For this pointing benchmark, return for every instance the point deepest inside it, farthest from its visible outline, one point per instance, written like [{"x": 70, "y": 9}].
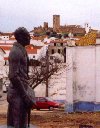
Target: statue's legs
[{"x": 17, "y": 114}]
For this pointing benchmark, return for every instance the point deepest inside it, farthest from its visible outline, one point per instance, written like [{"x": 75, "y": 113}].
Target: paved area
[
  {"x": 3, "y": 96},
  {"x": 3, "y": 103}
]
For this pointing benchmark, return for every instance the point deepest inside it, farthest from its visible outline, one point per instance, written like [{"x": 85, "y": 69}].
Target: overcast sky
[{"x": 32, "y": 13}]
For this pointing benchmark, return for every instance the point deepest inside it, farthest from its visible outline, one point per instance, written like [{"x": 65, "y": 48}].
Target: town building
[
  {"x": 5, "y": 36},
  {"x": 58, "y": 46}
]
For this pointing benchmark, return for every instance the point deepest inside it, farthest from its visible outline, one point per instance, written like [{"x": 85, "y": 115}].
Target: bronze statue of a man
[{"x": 18, "y": 76}]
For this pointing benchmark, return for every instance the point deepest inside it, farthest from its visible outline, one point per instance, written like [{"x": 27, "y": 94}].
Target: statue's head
[{"x": 22, "y": 36}]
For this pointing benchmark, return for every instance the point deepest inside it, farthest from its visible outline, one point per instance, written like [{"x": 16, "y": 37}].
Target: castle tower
[
  {"x": 56, "y": 22},
  {"x": 46, "y": 25}
]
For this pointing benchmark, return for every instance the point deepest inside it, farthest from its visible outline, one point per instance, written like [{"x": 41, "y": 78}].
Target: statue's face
[{"x": 26, "y": 40}]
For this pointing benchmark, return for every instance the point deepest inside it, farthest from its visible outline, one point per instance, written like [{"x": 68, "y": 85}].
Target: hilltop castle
[{"x": 57, "y": 27}]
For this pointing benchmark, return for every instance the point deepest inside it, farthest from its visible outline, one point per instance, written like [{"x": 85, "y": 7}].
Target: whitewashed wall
[
  {"x": 5, "y": 38},
  {"x": 97, "y": 88},
  {"x": 83, "y": 78},
  {"x": 98, "y": 41},
  {"x": 84, "y": 70},
  {"x": 69, "y": 77}
]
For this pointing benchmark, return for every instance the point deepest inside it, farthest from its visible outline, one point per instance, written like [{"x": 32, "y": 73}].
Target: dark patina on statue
[{"x": 18, "y": 76}]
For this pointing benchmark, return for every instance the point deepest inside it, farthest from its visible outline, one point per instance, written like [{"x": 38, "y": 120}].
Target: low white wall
[{"x": 83, "y": 76}]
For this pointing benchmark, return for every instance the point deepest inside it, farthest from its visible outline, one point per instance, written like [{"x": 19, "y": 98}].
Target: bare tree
[{"x": 42, "y": 70}]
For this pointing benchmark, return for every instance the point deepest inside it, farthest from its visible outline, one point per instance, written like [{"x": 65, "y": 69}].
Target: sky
[{"x": 33, "y": 13}]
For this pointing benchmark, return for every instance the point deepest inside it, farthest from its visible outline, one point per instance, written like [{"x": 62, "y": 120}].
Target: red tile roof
[
  {"x": 58, "y": 41},
  {"x": 6, "y": 34},
  {"x": 38, "y": 38},
  {"x": 6, "y": 47},
  {"x": 38, "y": 47},
  {"x": 6, "y": 44},
  {"x": 31, "y": 51},
  {"x": 12, "y": 38},
  {"x": 33, "y": 47}
]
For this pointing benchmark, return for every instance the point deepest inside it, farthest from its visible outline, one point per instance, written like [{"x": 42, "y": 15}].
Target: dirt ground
[
  {"x": 60, "y": 119},
  {"x": 56, "y": 118}
]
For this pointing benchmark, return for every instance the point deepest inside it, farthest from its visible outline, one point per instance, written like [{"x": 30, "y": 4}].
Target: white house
[
  {"x": 2, "y": 62},
  {"x": 36, "y": 52},
  {"x": 5, "y": 36}
]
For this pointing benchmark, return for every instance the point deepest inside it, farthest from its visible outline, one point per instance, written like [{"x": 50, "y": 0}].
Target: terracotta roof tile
[
  {"x": 5, "y": 44},
  {"x": 33, "y": 47},
  {"x": 38, "y": 38},
  {"x": 5, "y": 47},
  {"x": 31, "y": 51},
  {"x": 58, "y": 41}
]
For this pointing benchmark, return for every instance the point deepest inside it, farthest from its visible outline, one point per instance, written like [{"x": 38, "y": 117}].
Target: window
[
  {"x": 6, "y": 62},
  {"x": 31, "y": 62},
  {"x": 61, "y": 44},
  {"x": 33, "y": 56},
  {"x": 54, "y": 44},
  {"x": 52, "y": 52},
  {"x": 59, "y": 51},
  {"x": 51, "y": 57}
]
